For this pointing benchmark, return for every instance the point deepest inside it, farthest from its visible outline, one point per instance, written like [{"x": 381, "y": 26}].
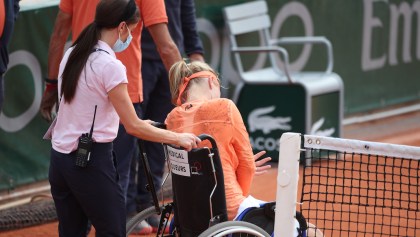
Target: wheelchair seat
[{"x": 198, "y": 188}]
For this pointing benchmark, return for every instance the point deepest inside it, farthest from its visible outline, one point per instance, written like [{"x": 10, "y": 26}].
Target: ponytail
[{"x": 77, "y": 60}]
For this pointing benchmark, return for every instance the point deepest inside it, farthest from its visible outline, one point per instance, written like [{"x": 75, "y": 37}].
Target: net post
[{"x": 287, "y": 184}]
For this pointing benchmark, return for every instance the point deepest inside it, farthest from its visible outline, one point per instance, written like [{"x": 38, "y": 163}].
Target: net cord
[{"x": 362, "y": 147}]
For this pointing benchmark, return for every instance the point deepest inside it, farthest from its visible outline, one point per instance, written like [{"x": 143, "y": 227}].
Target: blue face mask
[{"x": 120, "y": 46}]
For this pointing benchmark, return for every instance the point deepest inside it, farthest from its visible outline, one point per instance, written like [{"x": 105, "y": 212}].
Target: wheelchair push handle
[
  {"x": 209, "y": 138},
  {"x": 201, "y": 136}
]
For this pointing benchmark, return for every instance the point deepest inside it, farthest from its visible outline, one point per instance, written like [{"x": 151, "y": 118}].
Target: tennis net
[{"x": 351, "y": 187}]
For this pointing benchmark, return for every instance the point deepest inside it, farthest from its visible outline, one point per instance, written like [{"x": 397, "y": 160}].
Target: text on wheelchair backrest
[{"x": 179, "y": 161}]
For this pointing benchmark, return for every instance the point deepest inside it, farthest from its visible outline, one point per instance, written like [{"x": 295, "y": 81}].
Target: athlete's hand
[{"x": 261, "y": 168}]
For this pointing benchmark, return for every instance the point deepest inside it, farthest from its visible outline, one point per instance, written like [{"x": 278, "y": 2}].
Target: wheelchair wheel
[
  {"x": 234, "y": 228},
  {"x": 143, "y": 215}
]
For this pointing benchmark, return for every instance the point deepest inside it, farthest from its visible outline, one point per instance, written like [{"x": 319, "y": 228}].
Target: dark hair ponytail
[
  {"x": 83, "y": 47},
  {"x": 109, "y": 14}
]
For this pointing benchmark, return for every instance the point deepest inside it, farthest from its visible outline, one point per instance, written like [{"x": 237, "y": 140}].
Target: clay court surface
[{"x": 404, "y": 129}]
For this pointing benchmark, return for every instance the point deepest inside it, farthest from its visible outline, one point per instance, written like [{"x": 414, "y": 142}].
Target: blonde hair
[{"x": 180, "y": 70}]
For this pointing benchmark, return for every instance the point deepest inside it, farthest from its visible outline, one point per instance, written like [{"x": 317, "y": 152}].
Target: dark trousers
[
  {"x": 91, "y": 193},
  {"x": 155, "y": 106},
  {"x": 125, "y": 147}
]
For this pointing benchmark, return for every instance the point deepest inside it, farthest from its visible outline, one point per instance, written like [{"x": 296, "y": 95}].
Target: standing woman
[{"x": 93, "y": 84}]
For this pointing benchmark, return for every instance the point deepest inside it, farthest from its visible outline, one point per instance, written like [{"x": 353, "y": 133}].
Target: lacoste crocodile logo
[
  {"x": 317, "y": 125},
  {"x": 259, "y": 120}
]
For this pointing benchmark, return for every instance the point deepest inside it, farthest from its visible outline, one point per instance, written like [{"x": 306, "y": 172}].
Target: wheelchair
[{"x": 199, "y": 205}]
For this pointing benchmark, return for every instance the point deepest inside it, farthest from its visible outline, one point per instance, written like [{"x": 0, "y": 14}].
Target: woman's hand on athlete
[
  {"x": 261, "y": 167},
  {"x": 188, "y": 141}
]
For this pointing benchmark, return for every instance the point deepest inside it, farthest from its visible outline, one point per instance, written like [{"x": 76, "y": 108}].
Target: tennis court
[
  {"x": 400, "y": 131},
  {"x": 352, "y": 193}
]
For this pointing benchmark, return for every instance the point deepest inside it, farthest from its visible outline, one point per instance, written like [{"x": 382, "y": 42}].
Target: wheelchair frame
[{"x": 226, "y": 228}]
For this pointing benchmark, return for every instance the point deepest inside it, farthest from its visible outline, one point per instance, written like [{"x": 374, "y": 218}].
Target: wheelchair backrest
[{"x": 198, "y": 188}]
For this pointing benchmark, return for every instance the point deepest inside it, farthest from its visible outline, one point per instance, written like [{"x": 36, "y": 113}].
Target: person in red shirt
[
  {"x": 73, "y": 16},
  {"x": 195, "y": 89}
]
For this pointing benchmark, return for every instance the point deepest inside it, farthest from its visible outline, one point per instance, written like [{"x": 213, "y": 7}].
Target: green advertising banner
[
  {"x": 269, "y": 110},
  {"x": 376, "y": 45}
]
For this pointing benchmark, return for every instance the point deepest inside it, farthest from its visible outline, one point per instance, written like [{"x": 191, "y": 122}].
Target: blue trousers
[
  {"x": 91, "y": 193},
  {"x": 155, "y": 106},
  {"x": 125, "y": 147}
]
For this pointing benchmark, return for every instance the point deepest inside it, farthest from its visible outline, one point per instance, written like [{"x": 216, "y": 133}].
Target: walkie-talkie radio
[{"x": 84, "y": 147}]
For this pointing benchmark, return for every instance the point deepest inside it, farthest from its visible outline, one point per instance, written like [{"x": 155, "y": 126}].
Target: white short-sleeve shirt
[{"x": 103, "y": 71}]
